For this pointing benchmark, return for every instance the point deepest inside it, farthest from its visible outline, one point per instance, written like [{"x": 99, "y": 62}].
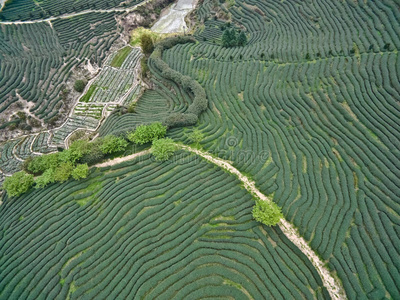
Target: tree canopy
[
  {"x": 147, "y": 133},
  {"x": 44, "y": 179},
  {"x": 111, "y": 144},
  {"x": 18, "y": 183},
  {"x": 146, "y": 42},
  {"x": 230, "y": 38},
  {"x": 79, "y": 86},
  {"x": 163, "y": 149},
  {"x": 81, "y": 171},
  {"x": 267, "y": 212}
]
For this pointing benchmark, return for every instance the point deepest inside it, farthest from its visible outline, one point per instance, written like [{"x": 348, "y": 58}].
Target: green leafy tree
[
  {"x": 46, "y": 178},
  {"x": 79, "y": 86},
  {"x": 229, "y": 38},
  {"x": 146, "y": 42},
  {"x": 76, "y": 150},
  {"x": 18, "y": 183},
  {"x": 80, "y": 171},
  {"x": 111, "y": 144},
  {"x": 94, "y": 155},
  {"x": 233, "y": 39},
  {"x": 226, "y": 38},
  {"x": 267, "y": 212},
  {"x": 242, "y": 39},
  {"x": 196, "y": 136},
  {"x": 163, "y": 149},
  {"x": 63, "y": 171},
  {"x": 147, "y": 133},
  {"x": 39, "y": 164}
]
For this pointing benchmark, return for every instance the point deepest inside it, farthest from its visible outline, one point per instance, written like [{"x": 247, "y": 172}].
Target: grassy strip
[
  {"x": 119, "y": 59},
  {"x": 88, "y": 94}
]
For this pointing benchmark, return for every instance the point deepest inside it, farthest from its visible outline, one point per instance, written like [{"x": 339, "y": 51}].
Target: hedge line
[{"x": 200, "y": 101}]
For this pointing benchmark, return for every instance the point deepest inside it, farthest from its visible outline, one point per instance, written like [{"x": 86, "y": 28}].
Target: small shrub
[
  {"x": 196, "y": 136},
  {"x": 79, "y": 86},
  {"x": 267, "y": 212},
  {"x": 163, "y": 149},
  {"x": 131, "y": 107}
]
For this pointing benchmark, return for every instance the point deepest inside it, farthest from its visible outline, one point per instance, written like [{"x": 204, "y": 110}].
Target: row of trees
[
  {"x": 231, "y": 38},
  {"x": 74, "y": 162}
]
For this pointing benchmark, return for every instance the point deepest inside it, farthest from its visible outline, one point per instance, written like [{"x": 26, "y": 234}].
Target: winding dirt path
[
  {"x": 332, "y": 284},
  {"x": 119, "y": 160}
]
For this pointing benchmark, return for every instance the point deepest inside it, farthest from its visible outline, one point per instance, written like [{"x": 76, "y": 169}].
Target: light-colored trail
[
  {"x": 83, "y": 12},
  {"x": 119, "y": 160},
  {"x": 332, "y": 284}
]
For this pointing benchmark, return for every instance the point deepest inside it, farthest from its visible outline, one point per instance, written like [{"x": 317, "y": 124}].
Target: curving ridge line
[
  {"x": 332, "y": 284},
  {"x": 83, "y": 12}
]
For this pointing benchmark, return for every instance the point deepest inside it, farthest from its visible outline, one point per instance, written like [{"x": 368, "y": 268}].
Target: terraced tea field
[
  {"x": 31, "y": 10},
  {"x": 112, "y": 87},
  {"x": 171, "y": 230},
  {"x": 319, "y": 132},
  {"x": 308, "y": 109}
]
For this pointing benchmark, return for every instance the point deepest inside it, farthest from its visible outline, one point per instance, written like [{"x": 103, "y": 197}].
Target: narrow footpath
[{"x": 332, "y": 284}]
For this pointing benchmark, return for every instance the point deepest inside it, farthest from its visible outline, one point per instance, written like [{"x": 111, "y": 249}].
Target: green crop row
[{"x": 150, "y": 230}]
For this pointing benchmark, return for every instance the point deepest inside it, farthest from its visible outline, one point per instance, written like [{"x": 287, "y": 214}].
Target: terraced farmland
[
  {"x": 148, "y": 230},
  {"x": 85, "y": 116},
  {"x": 308, "y": 108},
  {"x": 31, "y": 9},
  {"x": 36, "y": 59},
  {"x": 313, "y": 117}
]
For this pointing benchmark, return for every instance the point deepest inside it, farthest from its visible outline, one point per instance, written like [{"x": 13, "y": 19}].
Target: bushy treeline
[
  {"x": 200, "y": 101},
  {"x": 231, "y": 38},
  {"x": 74, "y": 162},
  {"x": 267, "y": 212}
]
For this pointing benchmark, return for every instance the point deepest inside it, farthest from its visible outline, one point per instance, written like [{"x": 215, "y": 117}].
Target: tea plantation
[
  {"x": 306, "y": 105},
  {"x": 37, "y": 59},
  {"x": 310, "y": 109},
  {"x": 142, "y": 229}
]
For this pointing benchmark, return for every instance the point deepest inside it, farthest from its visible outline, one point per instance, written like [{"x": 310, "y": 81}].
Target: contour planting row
[
  {"x": 37, "y": 58},
  {"x": 149, "y": 230},
  {"x": 293, "y": 31},
  {"x": 73, "y": 123},
  {"x": 322, "y": 139},
  {"x": 151, "y": 107},
  {"x": 113, "y": 84},
  {"x": 12, "y": 153},
  {"x": 32, "y": 10},
  {"x": 182, "y": 100}
]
